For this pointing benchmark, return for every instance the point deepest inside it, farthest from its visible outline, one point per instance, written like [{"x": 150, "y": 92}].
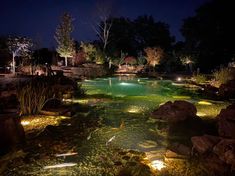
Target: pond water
[{"x": 124, "y": 105}]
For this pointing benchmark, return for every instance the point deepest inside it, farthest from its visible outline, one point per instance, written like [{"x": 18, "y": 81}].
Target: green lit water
[{"x": 131, "y": 101}]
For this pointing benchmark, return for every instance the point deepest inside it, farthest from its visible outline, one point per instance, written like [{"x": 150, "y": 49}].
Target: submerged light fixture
[
  {"x": 157, "y": 164},
  {"x": 60, "y": 165},
  {"x": 25, "y": 123},
  {"x": 179, "y": 79}
]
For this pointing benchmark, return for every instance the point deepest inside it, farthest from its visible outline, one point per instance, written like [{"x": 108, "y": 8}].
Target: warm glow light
[
  {"x": 125, "y": 84},
  {"x": 181, "y": 97},
  {"x": 201, "y": 114},
  {"x": 133, "y": 109},
  {"x": 179, "y": 79},
  {"x": 157, "y": 164},
  {"x": 204, "y": 103},
  {"x": 60, "y": 165},
  {"x": 64, "y": 117},
  {"x": 76, "y": 101},
  {"x": 24, "y": 123},
  {"x": 66, "y": 154}
]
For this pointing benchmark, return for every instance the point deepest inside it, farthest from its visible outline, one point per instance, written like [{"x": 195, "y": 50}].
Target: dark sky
[{"x": 39, "y": 18}]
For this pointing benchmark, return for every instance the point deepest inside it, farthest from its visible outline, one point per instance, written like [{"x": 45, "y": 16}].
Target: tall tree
[
  {"x": 209, "y": 34},
  {"x": 123, "y": 37},
  {"x": 63, "y": 37},
  {"x": 104, "y": 12},
  {"x": 19, "y": 46},
  {"x": 138, "y": 34},
  {"x": 150, "y": 33}
]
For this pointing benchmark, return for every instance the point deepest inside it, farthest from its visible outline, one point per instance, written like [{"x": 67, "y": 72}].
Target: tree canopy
[
  {"x": 209, "y": 34},
  {"x": 132, "y": 36},
  {"x": 63, "y": 37}
]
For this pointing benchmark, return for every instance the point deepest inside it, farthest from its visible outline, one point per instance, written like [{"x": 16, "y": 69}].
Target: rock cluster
[{"x": 219, "y": 151}]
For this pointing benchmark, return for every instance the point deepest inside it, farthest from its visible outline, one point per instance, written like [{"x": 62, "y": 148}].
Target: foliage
[
  {"x": 32, "y": 96},
  {"x": 89, "y": 50},
  {"x": 187, "y": 59},
  {"x": 209, "y": 34},
  {"x": 80, "y": 57},
  {"x": 130, "y": 60},
  {"x": 136, "y": 35},
  {"x": 141, "y": 59},
  {"x": 63, "y": 37},
  {"x": 199, "y": 78},
  {"x": 151, "y": 33},
  {"x": 19, "y": 46},
  {"x": 99, "y": 57},
  {"x": 170, "y": 64},
  {"x": 154, "y": 55},
  {"x": 221, "y": 76}
]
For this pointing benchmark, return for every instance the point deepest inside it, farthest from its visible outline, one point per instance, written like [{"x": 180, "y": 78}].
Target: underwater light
[
  {"x": 125, "y": 84},
  {"x": 66, "y": 154},
  {"x": 81, "y": 101},
  {"x": 201, "y": 114},
  {"x": 179, "y": 79},
  {"x": 24, "y": 123},
  {"x": 204, "y": 103},
  {"x": 133, "y": 109},
  {"x": 157, "y": 164},
  {"x": 181, "y": 97},
  {"x": 60, "y": 165}
]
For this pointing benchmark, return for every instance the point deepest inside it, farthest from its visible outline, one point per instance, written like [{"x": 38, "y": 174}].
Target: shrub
[
  {"x": 199, "y": 78},
  {"x": 35, "y": 93},
  {"x": 221, "y": 76},
  {"x": 32, "y": 96}
]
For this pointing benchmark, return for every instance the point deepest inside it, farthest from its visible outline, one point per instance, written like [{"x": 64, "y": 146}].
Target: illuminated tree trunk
[
  {"x": 66, "y": 61},
  {"x": 13, "y": 64}
]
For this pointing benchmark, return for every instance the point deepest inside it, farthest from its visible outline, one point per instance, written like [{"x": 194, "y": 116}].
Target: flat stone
[{"x": 148, "y": 144}]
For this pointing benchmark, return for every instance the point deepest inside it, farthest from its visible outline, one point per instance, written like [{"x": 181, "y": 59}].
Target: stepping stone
[
  {"x": 154, "y": 154},
  {"x": 148, "y": 144},
  {"x": 170, "y": 155}
]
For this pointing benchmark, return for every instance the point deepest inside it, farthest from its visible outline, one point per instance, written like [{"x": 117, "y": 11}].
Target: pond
[{"x": 124, "y": 104}]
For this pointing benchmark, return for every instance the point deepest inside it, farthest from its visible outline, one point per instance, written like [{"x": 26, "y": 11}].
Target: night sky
[{"x": 38, "y": 18}]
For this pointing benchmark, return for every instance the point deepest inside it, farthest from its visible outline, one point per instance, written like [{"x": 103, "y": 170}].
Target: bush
[
  {"x": 199, "y": 78},
  {"x": 35, "y": 93},
  {"x": 32, "y": 96},
  {"x": 221, "y": 76}
]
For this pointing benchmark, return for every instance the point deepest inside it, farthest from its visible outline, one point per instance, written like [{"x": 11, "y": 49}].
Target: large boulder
[
  {"x": 11, "y": 132},
  {"x": 226, "y": 122},
  {"x": 205, "y": 143},
  {"x": 175, "y": 112}
]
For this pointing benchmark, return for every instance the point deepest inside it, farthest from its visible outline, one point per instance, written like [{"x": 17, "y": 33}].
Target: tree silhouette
[{"x": 209, "y": 34}]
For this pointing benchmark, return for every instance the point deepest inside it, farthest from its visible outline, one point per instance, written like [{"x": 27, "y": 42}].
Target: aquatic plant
[
  {"x": 35, "y": 93},
  {"x": 32, "y": 96}
]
